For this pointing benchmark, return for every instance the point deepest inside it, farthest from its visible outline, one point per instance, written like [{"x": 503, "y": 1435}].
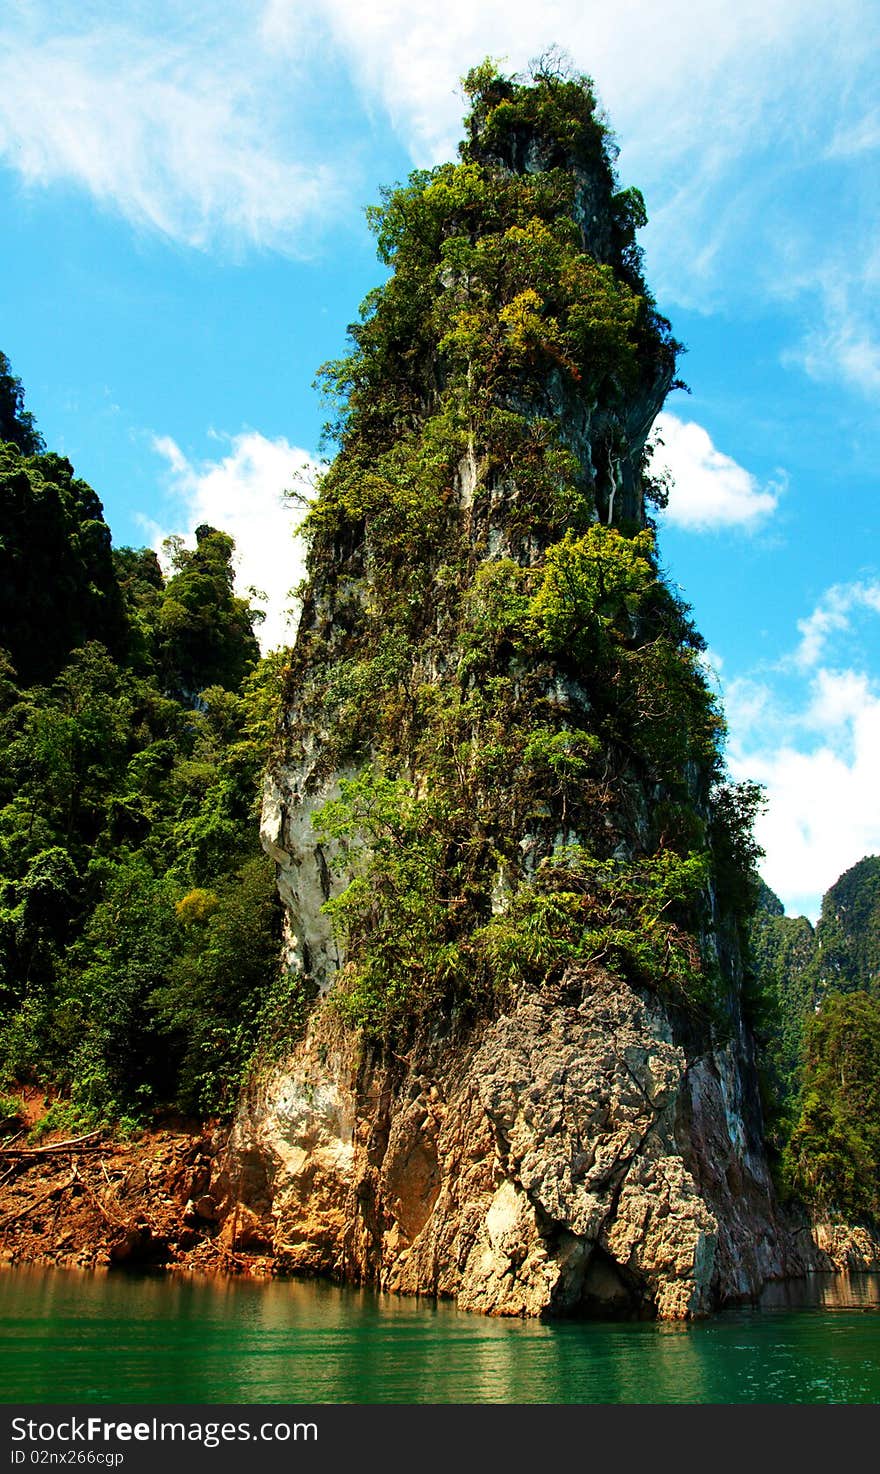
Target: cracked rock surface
[{"x": 568, "y": 1157}]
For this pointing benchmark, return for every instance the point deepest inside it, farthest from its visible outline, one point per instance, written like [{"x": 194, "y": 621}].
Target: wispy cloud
[
  {"x": 710, "y": 491},
  {"x": 242, "y": 494},
  {"x": 833, "y": 616},
  {"x": 862, "y": 136},
  {"x": 845, "y": 347},
  {"x": 179, "y": 126},
  {"x": 842, "y": 282},
  {"x": 216, "y": 121},
  {"x": 811, "y": 734}
]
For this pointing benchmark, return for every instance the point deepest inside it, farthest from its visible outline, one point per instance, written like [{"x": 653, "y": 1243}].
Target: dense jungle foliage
[
  {"x": 816, "y": 1007},
  {"x": 488, "y": 653},
  {"x": 139, "y": 925}
]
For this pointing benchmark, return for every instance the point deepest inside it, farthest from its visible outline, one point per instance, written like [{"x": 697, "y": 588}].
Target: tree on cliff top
[
  {"x": 58, "y": 587},
  {"x": 16, "y": 423},
  {"x": 205, "y": 631}
]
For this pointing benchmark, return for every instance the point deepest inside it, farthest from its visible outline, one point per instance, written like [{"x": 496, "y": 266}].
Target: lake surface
[{"x": 71, "y": 1337}]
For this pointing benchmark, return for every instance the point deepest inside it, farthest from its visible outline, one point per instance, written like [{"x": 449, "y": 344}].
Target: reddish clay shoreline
[{"x": 160, "y": 1200}]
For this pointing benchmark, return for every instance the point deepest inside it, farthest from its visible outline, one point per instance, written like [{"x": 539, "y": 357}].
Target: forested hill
[
  {"x": 817, "y": 1002},
  {"x": 139, "y": 925}
]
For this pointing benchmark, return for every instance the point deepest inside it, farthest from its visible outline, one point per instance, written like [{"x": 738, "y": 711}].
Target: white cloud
[
  {"x": 181, "y": 126},
  {"x": 838, "y": 697},
  {"x": 823, "y": 805},
  {"x": 242, "y": 494},
  {"x": 812, "y": 738},
  {"x": 846, "y": 343},
  {"x": 216, "y": 121},
  {"x": 710, "y": 490},
  {"x": 832, "y": 615}
]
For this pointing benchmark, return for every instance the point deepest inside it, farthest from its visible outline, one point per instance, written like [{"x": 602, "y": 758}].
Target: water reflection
[
  {"x": 71, "y": 1337},
  {"x": 846, "y": 1290}
]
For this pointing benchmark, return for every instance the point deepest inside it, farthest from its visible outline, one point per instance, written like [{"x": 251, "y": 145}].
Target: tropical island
[{"x": 491, "y": 1003}]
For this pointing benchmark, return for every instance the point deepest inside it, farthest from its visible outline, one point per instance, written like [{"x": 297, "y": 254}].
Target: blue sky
[{"x": 183, "y": 243}]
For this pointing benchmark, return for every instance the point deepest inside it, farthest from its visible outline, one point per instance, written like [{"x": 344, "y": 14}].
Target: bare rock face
[
  {"x": 847, "y": 1247},
  {"x": 568, "y": 1158},
  {"x": 304, "y": 879}
]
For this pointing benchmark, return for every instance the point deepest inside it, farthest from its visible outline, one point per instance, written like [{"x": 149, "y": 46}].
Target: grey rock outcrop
[{"x": 567, "y": 1158}]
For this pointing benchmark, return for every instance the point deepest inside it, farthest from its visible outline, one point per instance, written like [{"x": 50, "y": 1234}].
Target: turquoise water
[{"x": 69, "y": 1337}]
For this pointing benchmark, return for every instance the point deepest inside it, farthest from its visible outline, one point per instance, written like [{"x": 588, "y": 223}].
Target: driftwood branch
[
  {"x": 54, "y": 1146},
  {"x": 37, "y": 1202}
]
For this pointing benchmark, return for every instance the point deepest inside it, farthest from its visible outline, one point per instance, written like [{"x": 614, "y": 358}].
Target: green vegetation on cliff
[
  {"x": 139, "y": 925},
  {"x": 833, "y": 1156},
  {"x": 848, "y": 931},
  {"x": 816, "y": 1004},
  {"x": 489, "y": 658},
  {"x": 17, "y": 425},
  {"x": 783, "y": 995}
]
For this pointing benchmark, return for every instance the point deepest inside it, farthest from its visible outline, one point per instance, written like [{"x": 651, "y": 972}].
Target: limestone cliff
[
  {"x": 569, "y": 1157},
  {"x": 513, "y": 873}
]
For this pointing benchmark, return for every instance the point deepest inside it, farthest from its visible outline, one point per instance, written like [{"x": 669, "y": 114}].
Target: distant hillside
[
  {"x": 848, "y": 932},
  {"x": 816, "y": 1015},
  {"x": 784, "y": 955}
]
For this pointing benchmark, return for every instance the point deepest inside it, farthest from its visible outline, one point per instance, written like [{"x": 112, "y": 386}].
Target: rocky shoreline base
[{"x": 164, "y": 1201}]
